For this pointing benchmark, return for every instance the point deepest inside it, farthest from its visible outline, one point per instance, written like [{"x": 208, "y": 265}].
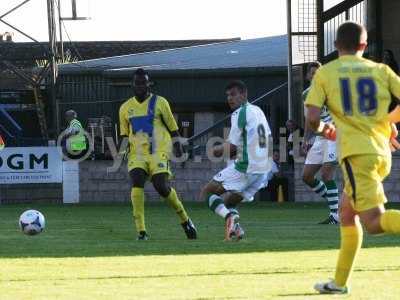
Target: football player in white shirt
[
  {"x": 248, "y": 143},
  {"x": 321, "y": 156}
]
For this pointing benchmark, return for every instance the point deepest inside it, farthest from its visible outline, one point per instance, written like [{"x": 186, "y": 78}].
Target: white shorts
[
  {"x": 322, "y": 151},
  {"x": 244, "y": 184}
]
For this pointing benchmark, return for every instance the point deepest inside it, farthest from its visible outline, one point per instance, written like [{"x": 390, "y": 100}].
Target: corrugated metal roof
[
  {"x": 252, "y": 53},
  {"x": 25, "y": 54}
]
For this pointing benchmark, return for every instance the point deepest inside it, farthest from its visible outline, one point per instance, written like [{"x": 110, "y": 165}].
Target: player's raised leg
[
  {"x": 372, "y": 213},
  {"x": 233, "y": 229},
  {"x": 363, "y": 177},
  {"x": 212, "y": 193},
  {"x": 389, "y": 221},
  {"x": 317, "y": 186},
  {"x": 237, "y": 231}
]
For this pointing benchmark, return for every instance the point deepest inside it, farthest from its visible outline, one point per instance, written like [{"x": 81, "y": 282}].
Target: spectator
[
  {"x": 75, "y": 140},
  {"x": 276, "y": 179},
  {"x": 388, "y": 59}
]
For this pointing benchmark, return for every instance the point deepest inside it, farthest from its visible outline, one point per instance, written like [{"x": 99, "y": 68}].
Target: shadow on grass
[
  {"x": 157, "y": 276},
  {"x": 197, "y": 275},
  {"x": 107, "y": 230},
  {"x": 299, "y": 295}
]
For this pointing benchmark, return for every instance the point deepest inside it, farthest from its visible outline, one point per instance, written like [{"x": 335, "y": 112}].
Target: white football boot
[{"x": 330, "y": 288}]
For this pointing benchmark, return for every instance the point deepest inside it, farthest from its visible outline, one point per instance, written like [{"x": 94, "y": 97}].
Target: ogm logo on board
[
  {"x": 19, "y": 161},
  {"x": 30, "y": 165}
]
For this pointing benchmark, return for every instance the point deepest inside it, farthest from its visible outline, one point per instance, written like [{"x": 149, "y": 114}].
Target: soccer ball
[{"x": 31, "y": 222}]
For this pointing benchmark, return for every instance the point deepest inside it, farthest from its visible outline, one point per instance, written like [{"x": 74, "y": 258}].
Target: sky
[{"x": 153, "y": 19}]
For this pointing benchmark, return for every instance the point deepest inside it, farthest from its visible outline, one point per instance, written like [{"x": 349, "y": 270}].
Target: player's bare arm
[
  {"x": 308, "y": 134},
  {"x": 394, "y": 116},
  {"x": 313, "y": 117},
  {"x": 394, "y": 143}
]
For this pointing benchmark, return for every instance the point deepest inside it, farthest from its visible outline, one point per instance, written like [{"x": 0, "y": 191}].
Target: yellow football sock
[
  {"x": 390, "y": 221},
  {"x": 351, "y": 240},
  {"x": 174, "y": 202},
  {"x": 137, "y": 198}
]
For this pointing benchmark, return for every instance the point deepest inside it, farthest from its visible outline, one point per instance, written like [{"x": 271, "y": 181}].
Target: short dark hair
[
  {"x": 348, "y": 36},
  {"x": 313, "y": 64},
  {"x": 140, "y": 72},
  {"x": 240, "y": 85}
]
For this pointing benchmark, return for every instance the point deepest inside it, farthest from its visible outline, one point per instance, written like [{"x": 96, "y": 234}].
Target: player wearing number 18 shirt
[
  {"x": 240, "y": 180},
  {"x": 357, "y": 93}
]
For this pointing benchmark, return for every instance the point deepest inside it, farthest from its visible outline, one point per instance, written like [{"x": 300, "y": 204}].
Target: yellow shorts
[
  {"x": 151, "y": 163},
  {"x": 363, "y": 176}
]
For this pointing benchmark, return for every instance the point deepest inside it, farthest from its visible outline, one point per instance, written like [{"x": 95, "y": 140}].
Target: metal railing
[
  {"x": 331, "y": 19},
  {"x": 197, "y": 143}
]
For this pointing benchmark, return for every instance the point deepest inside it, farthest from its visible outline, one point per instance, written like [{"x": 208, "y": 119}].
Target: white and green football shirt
[{"x": 250, "y": 134}]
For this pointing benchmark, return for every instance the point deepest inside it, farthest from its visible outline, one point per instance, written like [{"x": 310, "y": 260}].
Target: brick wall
[
  {"x": 25, "y": 193},
  {"x": 391, "y": 184},
  {"x": 96, "y": 185}
]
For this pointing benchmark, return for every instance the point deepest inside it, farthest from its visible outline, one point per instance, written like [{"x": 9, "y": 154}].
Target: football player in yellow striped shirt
[
  {"x": 146, "y": 119},
  {"x": 357, "y": 92}
]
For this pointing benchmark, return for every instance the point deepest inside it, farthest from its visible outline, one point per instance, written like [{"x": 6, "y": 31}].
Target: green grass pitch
[{"x": 90, "y": 252}]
